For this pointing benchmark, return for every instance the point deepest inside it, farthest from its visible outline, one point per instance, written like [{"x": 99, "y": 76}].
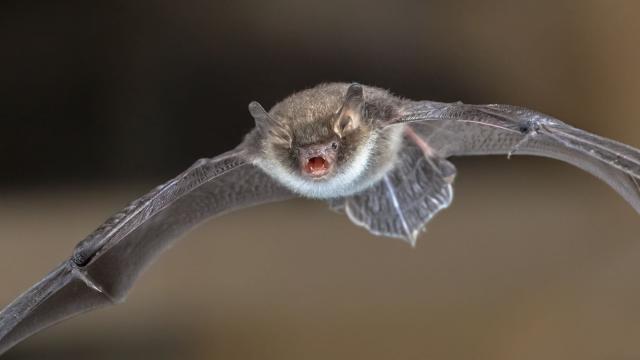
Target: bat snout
[
  {"x": 316, "y": 166},
  {"x": 317, "y": 161}
]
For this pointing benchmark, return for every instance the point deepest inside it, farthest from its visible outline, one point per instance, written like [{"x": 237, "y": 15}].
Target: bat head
[
  {"x": 326, "y": 145},
  {"x": 317, "y": 139}
]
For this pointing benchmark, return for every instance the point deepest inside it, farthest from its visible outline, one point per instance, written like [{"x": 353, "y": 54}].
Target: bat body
[{"x": 379, "y": 158}]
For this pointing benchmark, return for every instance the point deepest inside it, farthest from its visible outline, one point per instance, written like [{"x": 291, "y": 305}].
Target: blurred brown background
[{"x": 102, "y": 100}]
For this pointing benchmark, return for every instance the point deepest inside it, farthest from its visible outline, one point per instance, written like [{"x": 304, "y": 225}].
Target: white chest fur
[{"x": 347, "y": 182}]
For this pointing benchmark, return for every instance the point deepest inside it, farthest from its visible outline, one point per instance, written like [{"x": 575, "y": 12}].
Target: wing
[
  {"x": 105, "y": 265},
  {"x": 407, "y": 197},
  {"x": 459, "y": 129}
]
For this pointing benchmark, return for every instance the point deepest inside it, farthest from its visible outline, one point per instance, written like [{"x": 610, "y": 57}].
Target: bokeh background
[{"x": 102, "y": 100}]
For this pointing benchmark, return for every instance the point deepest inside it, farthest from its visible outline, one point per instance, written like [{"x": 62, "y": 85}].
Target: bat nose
[{"x": 313, "y": 151}]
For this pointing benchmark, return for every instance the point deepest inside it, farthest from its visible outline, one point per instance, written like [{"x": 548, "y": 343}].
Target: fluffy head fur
[{"x": 325, "y": 114}]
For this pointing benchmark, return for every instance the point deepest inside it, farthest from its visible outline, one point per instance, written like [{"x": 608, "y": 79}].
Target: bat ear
[
  {"x": 267, "y": 125},
  {"x": 349, "y": 117},
  {"x": 260, "y": 115},
  {"x": 355, "y": 94}
]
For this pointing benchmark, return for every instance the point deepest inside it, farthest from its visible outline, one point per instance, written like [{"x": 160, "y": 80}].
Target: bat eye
[{"x": 334, "y": 145}]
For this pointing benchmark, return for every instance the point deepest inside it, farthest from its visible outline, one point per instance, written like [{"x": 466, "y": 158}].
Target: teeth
[{"x": 316, "y": 165}]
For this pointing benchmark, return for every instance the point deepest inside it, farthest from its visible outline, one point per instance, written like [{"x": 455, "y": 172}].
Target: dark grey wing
[
  {"x": 407, "y": 197},
  {"x": 459, "y": 129},
  {"x": 105, "y": 265}
]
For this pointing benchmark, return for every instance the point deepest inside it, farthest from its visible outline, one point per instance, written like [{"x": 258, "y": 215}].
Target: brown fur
[{"x": 321, "y": 115}]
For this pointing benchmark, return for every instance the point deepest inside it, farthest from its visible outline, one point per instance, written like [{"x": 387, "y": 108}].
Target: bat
[{"x": 374, "y": 156}]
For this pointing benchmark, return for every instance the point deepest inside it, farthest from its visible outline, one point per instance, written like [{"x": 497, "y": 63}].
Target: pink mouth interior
[{"x": 316, "y": 165}]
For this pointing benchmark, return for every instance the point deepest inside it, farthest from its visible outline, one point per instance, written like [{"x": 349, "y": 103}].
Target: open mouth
[{"x": 316, "y": 166}]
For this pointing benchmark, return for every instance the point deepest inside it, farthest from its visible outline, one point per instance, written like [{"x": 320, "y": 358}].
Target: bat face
[
  {"x": 321, "y": 158},
  {"x": 318, "y": 142},
  {"x": 318, "y": 153}
]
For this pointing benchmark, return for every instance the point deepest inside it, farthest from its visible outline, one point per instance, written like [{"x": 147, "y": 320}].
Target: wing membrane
[
  {"x": 459, "y": 129},
  {"x": 401, "y": 204},
  {"x": 105, "y": 265}
]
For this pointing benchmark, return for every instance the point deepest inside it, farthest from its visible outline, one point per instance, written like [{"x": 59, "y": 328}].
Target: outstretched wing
[
  {"x": 105, "y": 265},
  {"x": 459, "y": 129}
]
